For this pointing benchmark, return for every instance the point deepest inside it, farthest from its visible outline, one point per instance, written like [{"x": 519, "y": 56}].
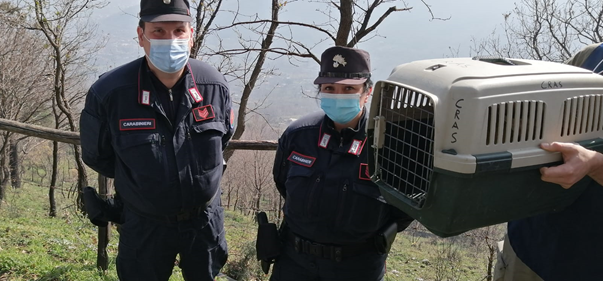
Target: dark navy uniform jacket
[
  {"x": 323, "y": 176},
  {"x": 564, "y": 245},
  {"x": 161, "y": 167}
]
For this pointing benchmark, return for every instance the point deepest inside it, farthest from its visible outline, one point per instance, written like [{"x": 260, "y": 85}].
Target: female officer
[{"x": 333, "y": 212}]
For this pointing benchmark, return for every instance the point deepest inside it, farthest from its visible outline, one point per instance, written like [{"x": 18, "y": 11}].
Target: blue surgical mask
[
  {"x": 341, "y": 108},
  {"x": 169, "y": 55}
]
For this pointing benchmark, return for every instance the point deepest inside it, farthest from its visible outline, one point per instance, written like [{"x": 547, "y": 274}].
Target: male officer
[
  {"x": 564, "y": 245},
  {"x": 158, "y": 125}
]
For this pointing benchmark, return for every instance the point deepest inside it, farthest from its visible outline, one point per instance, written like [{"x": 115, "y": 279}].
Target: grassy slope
[{"x": 36, "y": 247}]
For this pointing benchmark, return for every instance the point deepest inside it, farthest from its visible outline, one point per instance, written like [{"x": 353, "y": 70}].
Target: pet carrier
[{"x": 454, "y": 142}]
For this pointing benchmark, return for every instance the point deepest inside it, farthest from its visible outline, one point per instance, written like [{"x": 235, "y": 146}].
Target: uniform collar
[
  {"x": 147, "y": 94},
  {"x": 352, "y": 140}
]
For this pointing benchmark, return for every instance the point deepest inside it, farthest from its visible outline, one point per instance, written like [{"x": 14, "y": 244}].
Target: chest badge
[
  {"x": 303, "y": 160},
  {"x": 356, "y": 147},
  {"x": 195, "y": 94},
  {"x": 363, "y": 173},
  {"x": 324, "y": 141},
  {"x": 136, "y": 124},
  {"x": 146, "y": 97},
  {"x": 204, "y": 113}
]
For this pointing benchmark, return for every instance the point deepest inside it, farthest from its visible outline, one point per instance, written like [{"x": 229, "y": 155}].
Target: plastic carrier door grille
[
  {"x": 582, "y": 115},
  {"x": 406, "y": 159},
  {"x": 515, "y": 121}
]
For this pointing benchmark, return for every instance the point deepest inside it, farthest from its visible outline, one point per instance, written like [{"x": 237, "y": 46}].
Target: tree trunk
[
  {"x": 236, "y": 204},
  {"x": 491, "y": 255},
  {"x": 258, "y": 201},
  {"x": 3, "y": 177},
  {"x": 228, "y": 198},
  {"x": 255, "y": 74},
  {"x": 15, "y": 164},
  {"x": 82, "y": 178},
  {"x": 346, "y": 19},
  {"x": 53, "y": 180}
]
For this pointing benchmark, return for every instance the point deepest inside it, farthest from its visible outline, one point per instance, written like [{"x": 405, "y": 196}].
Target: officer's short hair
[{"x": 367, "y": 85}]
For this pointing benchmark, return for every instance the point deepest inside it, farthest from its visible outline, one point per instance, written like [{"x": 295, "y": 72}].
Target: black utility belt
[
  {"x": 332, "y": 252},
  {"x": 185, "y": 215},
  {"x": 173, "y": 219}
]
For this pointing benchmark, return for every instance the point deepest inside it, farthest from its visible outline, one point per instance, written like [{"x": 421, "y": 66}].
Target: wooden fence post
[{"x": 102, "y": 258}]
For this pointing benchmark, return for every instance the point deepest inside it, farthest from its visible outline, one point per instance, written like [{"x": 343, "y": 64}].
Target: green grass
[{"x": 34, "y": 246}]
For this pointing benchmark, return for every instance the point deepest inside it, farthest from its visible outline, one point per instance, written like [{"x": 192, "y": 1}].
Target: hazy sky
[{"x": 405, "y": 36}]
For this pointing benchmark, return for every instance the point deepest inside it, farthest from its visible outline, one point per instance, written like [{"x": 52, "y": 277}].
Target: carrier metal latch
[{"x": 379, "y": 137}]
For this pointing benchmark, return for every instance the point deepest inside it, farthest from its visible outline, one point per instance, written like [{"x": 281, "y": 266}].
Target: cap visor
[
  {"x": 166, "y": 18},
  {"x": 343, "y": 81}
]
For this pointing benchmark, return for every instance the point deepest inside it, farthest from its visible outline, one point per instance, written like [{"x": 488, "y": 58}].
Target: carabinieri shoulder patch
[
  {"x": 204, "y": 113},
  {"x": 136, "y": 124},
  {"x": 301, "y": 159}
]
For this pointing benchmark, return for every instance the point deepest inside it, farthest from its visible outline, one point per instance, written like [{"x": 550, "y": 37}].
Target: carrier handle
[{"x": 494, "y": 60}]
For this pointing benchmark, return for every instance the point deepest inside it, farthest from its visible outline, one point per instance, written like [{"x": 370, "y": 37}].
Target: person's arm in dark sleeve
[
  {"x": 229, "y": 117},
  {"x": 95, "y": 136},
  {"x": 401, "y": 218},
  {"x": 279, "y": 171}
]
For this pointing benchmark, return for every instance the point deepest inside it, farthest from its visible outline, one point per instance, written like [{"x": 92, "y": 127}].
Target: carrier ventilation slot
[
  {"x": 581, "y": 115},
  {"x": 515, "y": 121},
  {"x": 406, "y": 159}
]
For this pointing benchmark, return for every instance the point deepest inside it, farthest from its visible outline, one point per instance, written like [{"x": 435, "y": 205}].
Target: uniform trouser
[
  {"x": 293, "y": 266},
  {"x": 510, "y": 268},
  {"x": 148, "y": 248}
]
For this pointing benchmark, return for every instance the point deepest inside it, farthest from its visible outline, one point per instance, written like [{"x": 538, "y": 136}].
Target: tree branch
[
  {"x": 278, "y": 23},
  {"x": 363, "y": 31}
]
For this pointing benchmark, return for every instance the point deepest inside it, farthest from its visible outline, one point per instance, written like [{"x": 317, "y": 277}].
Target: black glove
[
  {"x": 268, "y": 244},
  {"x": 101, "y": 211}
]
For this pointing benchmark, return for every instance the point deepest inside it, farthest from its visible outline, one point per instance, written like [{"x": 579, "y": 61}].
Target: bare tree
[
  {"x": 549, "y": 30},
  {"x": 248, "y": 178},
  {"x": 207, "y": 11},
  {"x": 487, "y": 237},
  {"x": 73, "y": 41},
  {"x": 356, "y": 21},
  {"x": 23, "y": 70}
]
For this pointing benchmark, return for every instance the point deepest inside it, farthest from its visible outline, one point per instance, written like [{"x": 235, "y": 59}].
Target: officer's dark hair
[{"x": 367, "y": 85}]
